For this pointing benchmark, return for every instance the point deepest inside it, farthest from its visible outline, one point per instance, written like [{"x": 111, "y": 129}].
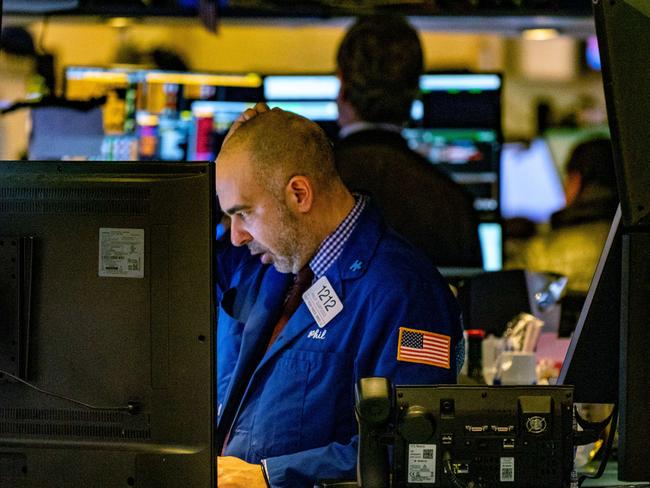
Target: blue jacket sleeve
[
  {"x": 427, "y": 306},
  {"x": 334, "y": 462}
]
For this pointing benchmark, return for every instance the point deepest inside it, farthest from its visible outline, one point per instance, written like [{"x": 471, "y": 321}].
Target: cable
[
  {"x": 132, "y": 407},
  {"x": 449, "y": 470},
  {"x": 452, "y": 476}
]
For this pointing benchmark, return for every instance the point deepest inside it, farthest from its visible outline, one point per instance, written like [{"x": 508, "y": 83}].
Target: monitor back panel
[{"x": 120, "y": 315}]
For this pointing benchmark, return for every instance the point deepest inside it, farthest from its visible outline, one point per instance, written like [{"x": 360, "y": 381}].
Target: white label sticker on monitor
[
  {"x": 121, "y": 253},
  {"x": 507, "y": 469},
  {"x": 422, "y": 463}
]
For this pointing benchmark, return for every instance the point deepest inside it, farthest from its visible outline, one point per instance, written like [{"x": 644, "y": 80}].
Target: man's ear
[
  {"x": 347, "y": 113},
  {"x": 572, "y": 186},
  {"x": 340, "y": 96},
  {"x": 299, "y": 194}
]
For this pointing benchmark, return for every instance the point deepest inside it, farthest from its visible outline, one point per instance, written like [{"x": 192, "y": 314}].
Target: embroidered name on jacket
[
  {"x": 421, "y": 346},
  {"x": 317, "y": 334}
]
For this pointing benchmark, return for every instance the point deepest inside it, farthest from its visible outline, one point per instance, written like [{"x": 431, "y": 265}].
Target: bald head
[
  {"x": 281, "y": 145},
  {"x": 277, "y": 181}
]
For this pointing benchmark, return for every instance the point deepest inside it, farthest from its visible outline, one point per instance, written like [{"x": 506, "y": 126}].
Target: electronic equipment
[
  {"x": 211, "y": 121},
  {"x": 312, "y": 96},
  {"x": 592, "y": 53},
  {"x": 490, "y": 235},
  {"x": 65, "y": 133},
  {"x": 490, "y": 300},
  {"x": 456, "y": 125},
  {"x": 461, "y": 100},
  {"x": 153, "y": 114},
  {"x": 106, "y": 349},
  {"x": 38, "y": 6},
  {"x": 453, "y": 435},
  {"x": 621, "y": 30},
  {"x": 531, "y": 186},
  {"x": 610, "y": 346},
  {"x": 469, "y": 156}
]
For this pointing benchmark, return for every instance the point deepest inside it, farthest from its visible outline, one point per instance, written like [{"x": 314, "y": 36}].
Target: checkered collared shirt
[{"x": 332, "y": 247}]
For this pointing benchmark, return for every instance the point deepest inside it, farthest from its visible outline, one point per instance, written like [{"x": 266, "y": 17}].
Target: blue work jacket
[{"x": 291, "y": 407}]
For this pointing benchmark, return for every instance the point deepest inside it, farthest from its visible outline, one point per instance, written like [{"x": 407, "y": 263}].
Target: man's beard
[{"x": 288, "y": 248}]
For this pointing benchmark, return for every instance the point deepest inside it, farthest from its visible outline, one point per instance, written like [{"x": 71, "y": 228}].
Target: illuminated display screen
[
  {"x": 316, "y": 87},
  {"x": 468, "y": 156}
]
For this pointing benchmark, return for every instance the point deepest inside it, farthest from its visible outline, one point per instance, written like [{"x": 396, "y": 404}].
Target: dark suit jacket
[{"x": 418, "y": 200}]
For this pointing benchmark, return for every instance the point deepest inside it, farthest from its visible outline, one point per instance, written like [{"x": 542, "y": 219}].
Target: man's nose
[{"x": 238, "y": 235}]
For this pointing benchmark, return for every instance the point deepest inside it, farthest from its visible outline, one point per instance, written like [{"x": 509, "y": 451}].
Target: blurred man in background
[
  {"x": 379, "y": 64},
  {"x": 578, "y": 232}
]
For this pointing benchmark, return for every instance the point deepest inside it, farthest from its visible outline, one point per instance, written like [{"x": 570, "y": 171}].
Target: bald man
[{"x": 286, "y": 377}]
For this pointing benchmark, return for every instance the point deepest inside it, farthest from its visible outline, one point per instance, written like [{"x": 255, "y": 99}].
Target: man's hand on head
[
  {"x": 245, "y": 116},
  {"x": 232, "y": 472}
]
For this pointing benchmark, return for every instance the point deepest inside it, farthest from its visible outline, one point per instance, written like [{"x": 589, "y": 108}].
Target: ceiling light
[
  {"x": 119, "y": 22},
  {"x": 540, "y": 34}
]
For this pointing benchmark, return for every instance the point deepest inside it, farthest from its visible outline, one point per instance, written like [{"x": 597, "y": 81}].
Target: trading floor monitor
[
  {"x": 106, "y": 330},
  {"x": 151, "y": 114},
  {"x": 312, "y": 96},
  {"x": 456, "y": 124}
]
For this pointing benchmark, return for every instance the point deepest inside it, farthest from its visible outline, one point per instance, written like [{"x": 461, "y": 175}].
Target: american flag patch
[{"x": 420, "y": 346}]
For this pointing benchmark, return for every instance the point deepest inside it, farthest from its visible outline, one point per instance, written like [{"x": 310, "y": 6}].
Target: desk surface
[{"x": 610, "y": 479}]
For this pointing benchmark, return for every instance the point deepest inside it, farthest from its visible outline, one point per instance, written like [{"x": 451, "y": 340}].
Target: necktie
[{"x": 301, "y": 282}]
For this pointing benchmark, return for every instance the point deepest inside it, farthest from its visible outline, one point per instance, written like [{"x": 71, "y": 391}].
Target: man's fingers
[
  {"x": 246, "y": 115},
  {"x": 259, "y": 108}
]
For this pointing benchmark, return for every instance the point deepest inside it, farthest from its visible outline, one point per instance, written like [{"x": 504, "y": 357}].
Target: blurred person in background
[
  {"x": 17, "y": 42},
  {"x": 25, "y": 74},
  {"x": 578, "y": 232},
  {"x": 379, "y": 64}
]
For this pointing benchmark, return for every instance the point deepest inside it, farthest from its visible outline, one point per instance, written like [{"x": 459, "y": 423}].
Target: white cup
[
  {"x": 517, "y": 368},
  {"x": 491, "y": 348}
]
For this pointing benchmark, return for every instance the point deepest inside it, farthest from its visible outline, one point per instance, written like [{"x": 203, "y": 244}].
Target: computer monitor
[
  {"x": 461, "y": 100},
  {"x": 592, "y": 54},
  {"x": 615, "y": 317},
  {"x": 65, "y": 133},
  {"x": 312, "y": 96},
  {"x": 469, "y": 156},
  {"x": 301, "y": 87},
  {"x": 211, "y": 121},
  {"x": 106, "y": 328},
  {"x": 621, "y": 30},
  {"x": 154, "y": 114},
  {"x": 456, "y": 124},
  {"x": 490, "y": 235},
  {"x": 182, "y": 131},
  {"x": 530, "y": 185}
]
